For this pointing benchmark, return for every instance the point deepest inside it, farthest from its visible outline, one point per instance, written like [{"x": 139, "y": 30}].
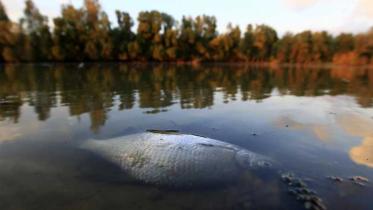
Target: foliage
[{"x": 86, "y": 34}]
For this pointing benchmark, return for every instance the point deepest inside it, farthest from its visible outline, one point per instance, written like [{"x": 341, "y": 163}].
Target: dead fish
[{"x": 177, "y": 160}]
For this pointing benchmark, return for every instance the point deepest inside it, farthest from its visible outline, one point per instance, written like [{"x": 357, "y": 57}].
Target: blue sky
[{"x": 284, "y": 15}]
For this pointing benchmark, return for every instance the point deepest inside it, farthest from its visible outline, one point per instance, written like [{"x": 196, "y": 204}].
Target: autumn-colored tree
[
  {"x": 7, "y": 37},
  {"x": 122, "y": 36},
  {"x": 247, "y": 43},
  {"x": 364, "y": 47},
  {"x": 344, "y": 43},
  {"x": 86, "y": 34},
  {"x": 205, "y": 31},
  {"x": 170, "y": 38},
  {"x": 301, "y": 51},
  {"x": 37, "y": 39},
  {"x": 187, "y": 39},
  {"x": 225, "y": 47},
  {"x": 82, "y": 34},
  {"x": 284, "y": 48},
  {"x": 265, "y": 38},
  {"x": 98, "y": 43},
  {"x": 322, "y": 47},
  {"x": 68, "y": 35},
  {"x": 148, "y": 35}
]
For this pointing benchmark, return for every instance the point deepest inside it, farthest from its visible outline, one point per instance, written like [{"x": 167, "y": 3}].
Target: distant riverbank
[{"x": 85, "y": 34}]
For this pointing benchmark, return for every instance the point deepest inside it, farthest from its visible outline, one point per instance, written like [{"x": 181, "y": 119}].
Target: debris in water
[
  {"x": 299, "y": 189},
  {"x": 335, "y": 178},
  {"x": 81, "y": 65},
  {"x": 163, "y": 131},
  {"x": 359, "y": 180}
]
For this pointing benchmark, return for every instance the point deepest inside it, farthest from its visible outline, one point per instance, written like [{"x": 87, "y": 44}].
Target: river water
[{"x": 316, "y": 123}]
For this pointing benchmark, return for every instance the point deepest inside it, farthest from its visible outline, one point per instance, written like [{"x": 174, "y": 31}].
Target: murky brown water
[{"x": 314, "y": 122}]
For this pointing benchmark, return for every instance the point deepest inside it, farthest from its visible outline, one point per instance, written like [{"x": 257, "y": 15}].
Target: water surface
[{"x": 315, "y": 122}]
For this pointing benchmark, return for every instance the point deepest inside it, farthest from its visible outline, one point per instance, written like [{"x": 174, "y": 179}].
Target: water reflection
[
  {"x": 361, "y": 126},
  {"x": 314, "y": 122},
  {"x": 321, "y": 131},
  {"x": 154, "y": 88}
]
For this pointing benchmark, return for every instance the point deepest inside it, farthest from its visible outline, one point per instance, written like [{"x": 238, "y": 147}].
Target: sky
[{"x": 335, "y": 16}]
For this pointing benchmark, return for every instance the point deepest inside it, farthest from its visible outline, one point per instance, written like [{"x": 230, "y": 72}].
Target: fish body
[{"x": 177, "y": 160}]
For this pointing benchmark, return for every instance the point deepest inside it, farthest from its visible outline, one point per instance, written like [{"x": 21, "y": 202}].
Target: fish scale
[{"x": 176, "y": 159}]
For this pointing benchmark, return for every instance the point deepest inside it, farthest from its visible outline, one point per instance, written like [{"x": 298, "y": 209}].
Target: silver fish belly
[{"x": 176, "y": 159}]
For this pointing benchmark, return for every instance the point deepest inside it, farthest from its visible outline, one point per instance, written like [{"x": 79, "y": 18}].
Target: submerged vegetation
[{"x": 86, "y": 34}]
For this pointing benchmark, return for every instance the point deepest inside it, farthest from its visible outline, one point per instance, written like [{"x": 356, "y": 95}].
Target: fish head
[{"x": 250, "y": 160}]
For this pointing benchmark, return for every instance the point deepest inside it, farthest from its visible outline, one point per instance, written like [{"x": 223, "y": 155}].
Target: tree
[
  {"x": 302, "y": 49},
  {"x": 284, "y": 48},
  {"x": 225, "y": 47},
  {"x": 265, "y": 38},
  {"x": 344, "y": 43},
  {"x": 322, "y": 47},
  {"x": 85, "y": 34},
  {"x": 68, "y": 35},
  {"x": 122, "y": 36},
  {"x": 98, "y": 43},
  {"x": 7, "y": 37},
  {"x": 247, "y": 43},
  {"x": 82, "y": 34},
  {"x": 37, "y": 37},
  {"x": 148, "y": 35},
  {"x": 364, "y": 46},
  {"x": 205, "y": 31},
  {"x": 169, "y": 37},
  {"x": 187, "y": 39}
]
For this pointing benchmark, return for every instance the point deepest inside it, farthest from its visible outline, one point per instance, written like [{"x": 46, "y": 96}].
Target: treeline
[{"x": 86, "y": 34}]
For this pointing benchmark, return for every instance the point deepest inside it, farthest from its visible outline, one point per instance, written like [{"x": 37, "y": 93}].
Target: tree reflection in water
[{"x": 98, "y": 87}]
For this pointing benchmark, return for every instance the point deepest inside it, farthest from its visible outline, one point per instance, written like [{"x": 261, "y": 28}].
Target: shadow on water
[{"x": 314, "y": 122}]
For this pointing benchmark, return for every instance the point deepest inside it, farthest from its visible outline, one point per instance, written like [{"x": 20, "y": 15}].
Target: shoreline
[{"x": 191, "y": 63}]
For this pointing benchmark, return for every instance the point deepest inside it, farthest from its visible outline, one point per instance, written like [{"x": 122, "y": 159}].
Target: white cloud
[
  {"x": 364, "y": 8},
  {"x": 300, "y": 4}
]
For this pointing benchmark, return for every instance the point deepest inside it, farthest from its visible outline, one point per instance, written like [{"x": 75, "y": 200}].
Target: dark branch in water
[{"x": 163, "y": 131}]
